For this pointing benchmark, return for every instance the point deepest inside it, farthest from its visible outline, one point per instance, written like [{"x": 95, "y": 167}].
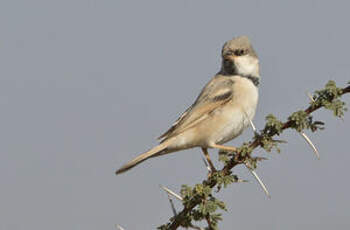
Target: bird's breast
[
  {"x": 245, "y": 95},
  {"x": 238, "y": 112}
]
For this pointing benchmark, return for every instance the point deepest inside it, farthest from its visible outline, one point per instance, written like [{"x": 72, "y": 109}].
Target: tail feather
[{"x": 151, "y": 153}]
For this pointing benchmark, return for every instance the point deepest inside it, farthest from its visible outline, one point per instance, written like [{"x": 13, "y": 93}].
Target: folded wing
[{"x": 217, "y": 92}]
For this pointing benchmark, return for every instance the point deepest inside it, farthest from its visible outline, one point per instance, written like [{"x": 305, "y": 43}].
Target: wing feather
[{"x": 216, "y": 93}]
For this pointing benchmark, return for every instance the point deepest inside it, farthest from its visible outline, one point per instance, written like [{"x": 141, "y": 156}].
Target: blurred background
[{"x": 87, "y": 85}]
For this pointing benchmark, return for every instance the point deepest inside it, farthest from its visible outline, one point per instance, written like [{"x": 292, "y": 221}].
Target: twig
[
  {"x": 207, "y": 218},
  {"x": 226, "y": 170}
]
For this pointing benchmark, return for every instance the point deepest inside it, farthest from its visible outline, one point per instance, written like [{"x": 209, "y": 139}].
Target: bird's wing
[{"x": 216, "y": 93}]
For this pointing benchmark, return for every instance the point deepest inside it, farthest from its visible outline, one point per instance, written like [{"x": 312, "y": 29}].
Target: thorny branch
[{"x": 199, "y": 204}]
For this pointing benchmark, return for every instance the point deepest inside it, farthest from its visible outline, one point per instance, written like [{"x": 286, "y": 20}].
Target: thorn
[
  {"x": 241, "y": 181},
  {"x": 252, "y": 125},
  {"x": 310, "y": 96},
  {"x": 259, "y": 181},
  {"x": 279, "y": 141},
  {"x": 307, "y": 139},
  {"x": 119, "y": 227},
  {"x": 171, "y": 192},
  {"x": 172, "y": 205},
  {"x": 195, "y": 227},
  {"x": 260, "y": 158},
  {"x": 206, "y": 165},
  {"x": 250, "y": 122}
]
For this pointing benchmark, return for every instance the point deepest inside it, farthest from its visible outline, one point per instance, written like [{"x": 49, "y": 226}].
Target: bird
[{"x": 222, "y": 111}]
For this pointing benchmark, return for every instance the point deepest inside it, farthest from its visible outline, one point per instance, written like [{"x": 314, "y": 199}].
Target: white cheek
[{"x": 247, "y": 65}]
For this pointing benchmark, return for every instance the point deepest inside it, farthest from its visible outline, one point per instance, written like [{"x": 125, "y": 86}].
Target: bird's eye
[{"x": 240, "y": 52}]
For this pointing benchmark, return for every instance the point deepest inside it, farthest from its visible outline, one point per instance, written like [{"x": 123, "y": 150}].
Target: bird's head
[{"x": 239, "y": 58}]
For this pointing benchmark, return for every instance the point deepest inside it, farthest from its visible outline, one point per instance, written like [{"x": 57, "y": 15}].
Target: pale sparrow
[{"x": 222, "y": 110}]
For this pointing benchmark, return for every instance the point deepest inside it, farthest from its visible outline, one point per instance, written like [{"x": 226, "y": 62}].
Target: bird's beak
[
  {"x": 229, "y": 61},
  {"x": 229, "y": 58}
]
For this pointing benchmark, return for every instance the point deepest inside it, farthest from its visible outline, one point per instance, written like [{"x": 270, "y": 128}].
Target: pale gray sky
[{"x": 87, "y": 85}]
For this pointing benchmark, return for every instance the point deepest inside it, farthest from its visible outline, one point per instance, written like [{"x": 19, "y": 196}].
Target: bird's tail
[{"x": 144, "y": 156}]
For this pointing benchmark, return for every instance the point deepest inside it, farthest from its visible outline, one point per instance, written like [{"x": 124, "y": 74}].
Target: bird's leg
[
  {"x": 206, "y": 154},
  {"x": 225, "y": 148}
]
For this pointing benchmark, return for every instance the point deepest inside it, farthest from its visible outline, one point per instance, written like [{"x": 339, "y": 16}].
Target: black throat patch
[
  {"x": 232, "y": 72},
  {"x": 254, "y": 79}
]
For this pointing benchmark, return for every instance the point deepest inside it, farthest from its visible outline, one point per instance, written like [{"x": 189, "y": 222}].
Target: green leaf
[
  {"x": 201, "y": 190},
  {"x": 220, "y": 204},
  {"x": 211, "y": 206},
  {"x": 337, "y": 106},
  {"x": 216, "y": 217},
  {"x": 224, "y": 158},
  {"x": 229, "y": 179},
  {"x": 206, "y": 191},
  {"x": 186, "y": 191},
  {"x": 329, "y": 98},
  {"x": 198, "y": 189},
  {"x": 273, "y": 125},
  {"x": 299, "y": 119},
  {"x": 244, "y": 150}
]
